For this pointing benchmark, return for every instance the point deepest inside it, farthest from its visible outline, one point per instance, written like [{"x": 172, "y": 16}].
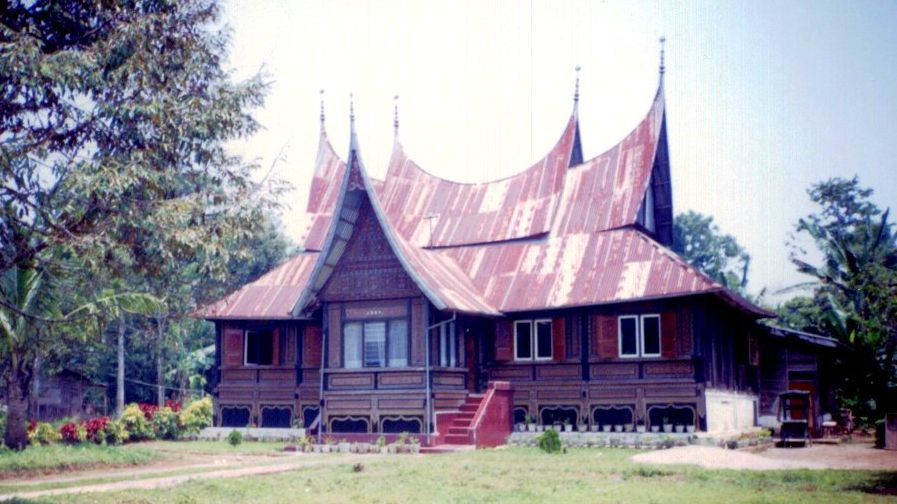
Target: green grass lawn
[
  {"x": 519, "y": 475},
  {"x": 217, "y": 447},
  {"x": 45, "y": 459}
]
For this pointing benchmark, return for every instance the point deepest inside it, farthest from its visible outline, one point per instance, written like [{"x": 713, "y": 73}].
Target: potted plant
[
  {"x": 415, "y": 445},
  {"x": 329, "y": 445},
  {"x": 680, "y": 428},
  {"x": 381, "y": 445},
  {"x": 690, "y": 428},
  {"x": 655, "y": 428},
  {"x": 618, "y": 428},
  {"x": 531, "y": 424},
  {"x": 402, "y": 443},
  {"x": 568, "y": 427},
  {"x": 344, "y": 446},
  {"x": 667, "y": 426},
  {"x": 607, "y": 427},
  {"x": 640, "y": 427},
  {"x": 583, "y": 425},
  {"x": 627, "y": 427}
]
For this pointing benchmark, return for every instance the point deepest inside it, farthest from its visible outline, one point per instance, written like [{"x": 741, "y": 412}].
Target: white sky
[{"x": 763, "y": 98}]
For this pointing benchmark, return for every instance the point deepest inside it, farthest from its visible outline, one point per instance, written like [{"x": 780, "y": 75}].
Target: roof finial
[
  {"x": 352, "y": 109},
  {"x": 576, "y": 91},
  {"x": 662, "y": 67},
  {"x": 322, "y": 109},
  {"x": 395, "y": 121}
]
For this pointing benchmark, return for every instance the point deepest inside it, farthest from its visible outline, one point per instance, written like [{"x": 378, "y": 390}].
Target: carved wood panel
[
  {"x": 233, "y": 346},
  {"x": 311, "y": 348},
  {"x": 368, "y": 269}
]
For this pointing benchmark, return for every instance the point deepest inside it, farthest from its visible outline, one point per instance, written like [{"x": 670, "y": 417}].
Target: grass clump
[
  {"x": 234, "y": 438},
  {"x": 58, "y": 457},
  {"x": 550, "y": 441}
]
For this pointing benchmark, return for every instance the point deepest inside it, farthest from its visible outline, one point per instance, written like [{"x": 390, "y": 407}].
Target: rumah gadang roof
[{"x": 552, "y": 236}]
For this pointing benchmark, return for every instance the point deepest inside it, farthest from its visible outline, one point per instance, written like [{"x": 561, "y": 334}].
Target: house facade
[{"x": 417, "y": 300}]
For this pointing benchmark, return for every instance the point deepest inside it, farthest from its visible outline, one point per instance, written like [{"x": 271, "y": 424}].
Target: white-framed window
[
  {"x": 258, "y": 348},
  {"x": 532, "y": 339},
  {"x": 381, "y": 343},
  {"x": 638, "y": 335}
]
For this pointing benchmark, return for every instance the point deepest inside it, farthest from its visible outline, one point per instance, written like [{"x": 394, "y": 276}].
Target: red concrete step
[
  {"x": 467, "y": 415},
  {"x": 460, "y": 431},
  {"x": 458, "y": 439},
  {"x": 459, "y": 425},
  {"x": 467, "y": 407}
]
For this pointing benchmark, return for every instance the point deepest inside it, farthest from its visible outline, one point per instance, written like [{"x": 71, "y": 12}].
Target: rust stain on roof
[{"x": 552, "y": 236}]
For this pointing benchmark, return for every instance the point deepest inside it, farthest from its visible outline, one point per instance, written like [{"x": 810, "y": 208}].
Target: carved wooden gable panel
[{"x": 368, "y": 269}]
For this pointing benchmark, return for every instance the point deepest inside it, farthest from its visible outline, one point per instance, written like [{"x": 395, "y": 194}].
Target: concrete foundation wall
[{"x": 730, "y": 411}]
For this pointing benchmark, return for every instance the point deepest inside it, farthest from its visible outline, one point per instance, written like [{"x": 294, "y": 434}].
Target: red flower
[
  {"x": 31, "y": 426},
  {"x": 174, "y": 405},
  {"x": 69, "y": 433},
  {"x": 94, "y": 427},
  {"x": 149, "y": 410}
]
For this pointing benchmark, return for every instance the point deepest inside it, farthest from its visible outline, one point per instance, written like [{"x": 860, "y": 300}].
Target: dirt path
[
  {"x": 848, "y": 456},
  {"x": 288, "y": 464}
]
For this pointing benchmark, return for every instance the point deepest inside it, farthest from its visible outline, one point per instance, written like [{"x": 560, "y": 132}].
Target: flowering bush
[
  {"x": 96, "y": 429},
  {"x": 135, "y": 423},
  {"x": 73, "y": 433},
  {"x": 197, "y": 415},
  {"x": 165, "y": 424},
  {"x": 42, "y": 433},
  {"x": 174, "y": 405},
  {"x": 149, "y": 410},
  {"x": 115, "y": 432}
]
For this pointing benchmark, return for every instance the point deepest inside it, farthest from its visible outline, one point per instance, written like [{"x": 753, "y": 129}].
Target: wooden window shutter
[
  {"x": 606, "y": 336},
  {"x": 233, "y": 347},
  {"x": 558, "y": 339},
  {"x": 504, "y": 340},
  {"x": 275, "y": 346},
  {"x": 669, "y": 334},
  {"x": 311, "y": 349}
]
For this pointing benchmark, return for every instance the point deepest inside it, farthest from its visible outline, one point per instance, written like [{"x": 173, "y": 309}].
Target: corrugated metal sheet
[
  {"x": 325, "y": 185},
  {"x": 549, "y": 237},
  {"x": 516, "y": 207},
  {"x": 272, "y": 296}
]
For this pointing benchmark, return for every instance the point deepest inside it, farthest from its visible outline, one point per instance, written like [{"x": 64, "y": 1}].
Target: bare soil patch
[{"x": 852, "y": 456}]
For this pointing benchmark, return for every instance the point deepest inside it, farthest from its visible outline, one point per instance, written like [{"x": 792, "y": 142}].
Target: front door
[{"x": 470, "y": 358}]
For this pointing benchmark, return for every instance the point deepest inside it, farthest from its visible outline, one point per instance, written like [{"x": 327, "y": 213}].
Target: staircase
[{"x": 461, "y": 431}]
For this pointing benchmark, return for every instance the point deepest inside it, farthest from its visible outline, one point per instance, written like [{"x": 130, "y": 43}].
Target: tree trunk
[
  {"x": 17, "y": 410},
  {"x": 120, "y": 372},
  {"x": 160, "y": 387}
]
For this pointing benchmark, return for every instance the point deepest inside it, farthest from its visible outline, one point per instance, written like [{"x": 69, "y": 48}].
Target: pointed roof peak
[
  {"x": 352, "y": 111},
  {"x": 576, "y": 91},
  {"x": 662, "y": 66},
  {"x": 322, "y": 109},
  {"x": 395, "y": 120}
]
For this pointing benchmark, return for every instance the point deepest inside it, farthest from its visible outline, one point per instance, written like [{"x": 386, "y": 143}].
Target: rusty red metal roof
[
  {"x": 515, "y": 207},
  {"x": 272, "y": 296},
  {"x": 552, "y": 236},
  {"x": 322, "y": 195}
]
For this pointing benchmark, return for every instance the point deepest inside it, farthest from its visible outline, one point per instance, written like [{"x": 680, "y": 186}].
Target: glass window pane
[
  {"x": 251, "y": 347},
  {"x": 453, "y": 347},
  {"x": 543, "y": 339},
  {"x": 443, "y": 346},
  {"x": 375, "y": 344},
  {"x": 628, "y": 334},
  {"x": 352, "y": 345},
  {"x": 398, "y": 343},
  {"x": 651, "y": 335},
  {"x": 523, "y": 335}
]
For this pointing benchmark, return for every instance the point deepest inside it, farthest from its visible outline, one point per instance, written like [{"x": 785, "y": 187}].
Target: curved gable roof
[
  {"x": 519, "y": 206},
  {"x": 322, "y": 194}
]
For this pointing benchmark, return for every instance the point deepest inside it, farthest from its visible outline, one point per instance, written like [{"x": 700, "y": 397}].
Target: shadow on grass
[{"x": 883, "y": 483}]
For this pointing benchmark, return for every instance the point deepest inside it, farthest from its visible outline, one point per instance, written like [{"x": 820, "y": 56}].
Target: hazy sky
[{"x": 763, "y": 98}]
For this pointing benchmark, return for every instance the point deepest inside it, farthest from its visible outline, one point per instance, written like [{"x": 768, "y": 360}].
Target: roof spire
[
  {"x": 322, "y": 109},
  {"x": 395, "y": 121},
  {"x": 352, "y": 111},
  {"x": 662, "y": 67},
  {"x": 576, "y": 89}
]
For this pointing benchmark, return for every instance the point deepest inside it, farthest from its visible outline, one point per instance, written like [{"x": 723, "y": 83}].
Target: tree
[
  {"x": 855, "y": 288},
  {"x": 700, "y": 242},
  {"x": 113, "y": 122}
]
